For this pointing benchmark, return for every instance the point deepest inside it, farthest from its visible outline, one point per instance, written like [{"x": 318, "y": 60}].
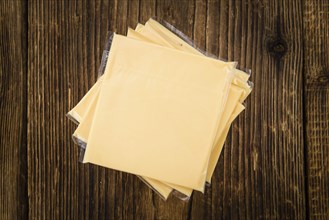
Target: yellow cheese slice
[
  {"x": 82, "y": 131},
  {"x": 144, "y": 99},
  {"x": 161, "y": 189},
  {"x": 181, "y": 189},
  {"x": 220, "y": 143},
  {"x": 76, "y": 114}
]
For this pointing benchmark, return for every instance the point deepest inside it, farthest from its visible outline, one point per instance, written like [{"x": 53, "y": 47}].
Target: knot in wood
[{"x": 277, "y": 47}]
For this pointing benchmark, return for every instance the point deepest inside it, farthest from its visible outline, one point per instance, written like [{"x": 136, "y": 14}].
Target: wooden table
[{"x": 275, "y": 162}]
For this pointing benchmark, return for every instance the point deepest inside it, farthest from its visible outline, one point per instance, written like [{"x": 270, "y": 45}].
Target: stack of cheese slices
[{"x": 161, "y": 110}]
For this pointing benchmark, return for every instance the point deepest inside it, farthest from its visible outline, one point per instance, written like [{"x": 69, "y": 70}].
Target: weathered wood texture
[
  {"x": 13, "y": 97},
  {"x": 274, "y": 163},
  {"x": 316, "y": 72},
  {"x": 260, "y": 172}
]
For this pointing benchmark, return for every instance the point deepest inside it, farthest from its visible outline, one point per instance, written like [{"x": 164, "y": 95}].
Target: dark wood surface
[
  {"x": 13, "y": 110},
  {"x": 316, "y": 103},
  {"x": 275, "y": 163}
]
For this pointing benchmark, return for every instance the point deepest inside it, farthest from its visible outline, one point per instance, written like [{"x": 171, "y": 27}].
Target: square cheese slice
[{"x": 157, "y": 112}]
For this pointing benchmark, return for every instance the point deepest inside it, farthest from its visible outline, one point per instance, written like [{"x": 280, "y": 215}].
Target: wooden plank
[
  {"x": 260, "y": 172},
  {"x": 316, "y": 61},
  {"x": 66, "y": 39},
  {"x": 264, "y": 156},
  {"x": 66, "y": 43},
  {"x": 13, "y": 111}
]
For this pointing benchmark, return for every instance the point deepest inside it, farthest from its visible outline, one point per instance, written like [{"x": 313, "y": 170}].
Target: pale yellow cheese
[
  {"x": 76, "y": 114},
  {"x": 233, "y": 97},
  {"x": 139, "y": 26},
  {"x": 82, "y": 131},
  {"x": 162, "y": 189},
  {"x": 154, "y": 36},
  {"x": 181, "y": 190},
  {"x": 235, "y": 94},
  {"x": 143, "y": 37},
  {"x": 188, "y": 45},
  {"x": 179, "y": 43},
  {"x": 178, "y": 101},
  {"x": 220, "y": 143},
  {"x": 153, "y": 26}
]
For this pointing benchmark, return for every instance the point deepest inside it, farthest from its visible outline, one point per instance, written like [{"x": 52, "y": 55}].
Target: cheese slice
[
  {"x": 185, "y": 193},
  {"x": 220, "y": 143},
  {"x": 159, "y": 107},
  {"x": 76, "y": 114}
]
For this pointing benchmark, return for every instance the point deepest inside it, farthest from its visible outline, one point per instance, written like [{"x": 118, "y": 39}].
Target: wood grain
[
  {"x": 13, "y": 111},
  {"x": 243, "y": 187},
  {"x": 316, "y": 67},
  {"x": 260, "y": 172},
  {"x": 275, "y": 161}
]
